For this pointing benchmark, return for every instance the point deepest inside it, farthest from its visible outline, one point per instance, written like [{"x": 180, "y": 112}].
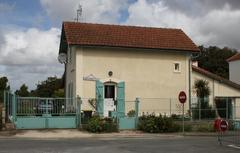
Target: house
[
  {"x": 234, "y": 68},
  {"x": 221, "y": 91},
  {"x": 114, "y": 64}
]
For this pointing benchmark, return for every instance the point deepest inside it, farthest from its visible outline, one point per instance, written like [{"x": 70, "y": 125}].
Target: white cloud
[
  {"x": 31, "y": 46},
  {"x": 29, "y": 55},
  {"x": 100, "y": 11},
  {"x": 216, "y": 27}
]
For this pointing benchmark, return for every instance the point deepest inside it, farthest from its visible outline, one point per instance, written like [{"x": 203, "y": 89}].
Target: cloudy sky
[{"x": 30, "y": 30}]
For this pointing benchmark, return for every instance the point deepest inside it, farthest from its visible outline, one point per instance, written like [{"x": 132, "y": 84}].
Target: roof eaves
[
  {"x": 234, "y": 58},
  {"x": 216, "y": 77},
  {"x": 118, "y": 46}
]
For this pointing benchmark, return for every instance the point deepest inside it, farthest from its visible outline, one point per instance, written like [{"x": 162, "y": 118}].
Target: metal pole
[
  {"x": 4, "y": 98},
  {"x": 136, "y": 111},
  {"x": 170, "y": 106},
  {"x": 199, "y": 116},
  {"x": 78, "y": 111},
  {"x": 46, "y": 111},
  {"x": 227, "y": 108},
  {"x": 234, "y": 108},
  {"x": 183, "y": 130},
  {"x": 190, "y": 84},
  {"x": 14, "y": 108}
]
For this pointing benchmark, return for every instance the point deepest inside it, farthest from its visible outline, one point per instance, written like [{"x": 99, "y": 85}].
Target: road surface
[{"x": 115, "y": 145}]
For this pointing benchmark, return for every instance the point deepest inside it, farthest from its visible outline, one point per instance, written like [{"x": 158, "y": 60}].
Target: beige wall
[
  {"x": 234, "y": 71},
  {"x": 147, "y": 73}
]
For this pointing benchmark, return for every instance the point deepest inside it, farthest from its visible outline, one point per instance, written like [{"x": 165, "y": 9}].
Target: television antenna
[{"x": 79, "y": 13}]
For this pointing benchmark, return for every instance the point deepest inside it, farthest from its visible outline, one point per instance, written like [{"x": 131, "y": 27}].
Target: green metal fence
[{"x": 39, "y": 113}]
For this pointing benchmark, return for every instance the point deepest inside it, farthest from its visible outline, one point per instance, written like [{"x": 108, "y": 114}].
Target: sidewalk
[{"x": 74, "y": 133}]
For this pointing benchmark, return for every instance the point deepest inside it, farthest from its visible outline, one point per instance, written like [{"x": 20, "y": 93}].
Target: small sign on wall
[{"x": 90, "y": 77}]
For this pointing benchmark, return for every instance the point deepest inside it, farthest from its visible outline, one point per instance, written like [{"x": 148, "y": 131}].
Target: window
[
  {"x": 109, "y": 91},
  {"x": 177, "y": 67}
]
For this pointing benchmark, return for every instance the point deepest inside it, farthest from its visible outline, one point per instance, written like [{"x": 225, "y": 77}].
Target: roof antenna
[{"x": 79, "y": 13}]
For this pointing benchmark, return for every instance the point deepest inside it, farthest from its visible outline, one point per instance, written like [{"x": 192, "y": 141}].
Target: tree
[
  {"x": 23, "y": 91},
  {"x": 3, "y": 86},
  {"x": 48, "y": 88},
  {"x": 214, "y": 59},
  {"x": 203, "y": 109},
  {"x": 201, "y": 88},
  {"x": 58, "y": 93}
]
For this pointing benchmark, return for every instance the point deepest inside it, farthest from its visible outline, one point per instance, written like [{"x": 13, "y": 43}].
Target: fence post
[
  {"x": 14, "y": 107},
  {"x": 227, "y": 108},
  {"x": 199, "y": 115},
  {"x": 234, "y": 109},
  {"x": 170, "y": 107},
  {"x": 46, "y": 109},
  {"x": 136, "y": 111},
  {"x": 4, "y": 98},
  {"x": 79, "y": 102}
]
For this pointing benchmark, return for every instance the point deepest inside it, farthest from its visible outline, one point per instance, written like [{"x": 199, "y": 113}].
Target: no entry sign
[
  {"x": 182, "y": 97},
  {"x": 220, "y": 125},
  {"x": 223, "y": 125}
]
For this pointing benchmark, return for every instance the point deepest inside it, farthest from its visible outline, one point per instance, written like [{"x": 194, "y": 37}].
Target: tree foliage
[
  {"x": 23, "y": 91},
  {"x": 214, "y": 59},
  {"x": 202, "y": 91},
  {"x": 49, "y": 88},
  {"x": 201, "y": 88},
  {"x": 3, "y": 86}
]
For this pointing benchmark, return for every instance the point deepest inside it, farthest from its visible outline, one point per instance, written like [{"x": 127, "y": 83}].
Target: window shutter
[
  {"x": 121, "y": 99},
  {"x": 99, "y": 97}
]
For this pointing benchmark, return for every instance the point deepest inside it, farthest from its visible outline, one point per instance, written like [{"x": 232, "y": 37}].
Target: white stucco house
[{"x": 115, "y": 64}]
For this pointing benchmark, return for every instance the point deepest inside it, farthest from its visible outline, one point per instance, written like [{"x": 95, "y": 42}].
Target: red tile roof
[
  {"x": 87, "y": 34},
  {"x": 234, "y": 57},
  {"x": 215, "y": 77}
]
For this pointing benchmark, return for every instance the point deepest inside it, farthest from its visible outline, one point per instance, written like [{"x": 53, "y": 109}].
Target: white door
[{"x": 109, "y": 97}]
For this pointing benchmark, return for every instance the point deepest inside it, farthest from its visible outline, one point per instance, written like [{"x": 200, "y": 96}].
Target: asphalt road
[{"x": 120, "y": 145}]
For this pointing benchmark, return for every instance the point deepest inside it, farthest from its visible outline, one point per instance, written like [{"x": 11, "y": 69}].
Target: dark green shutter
[{"x": 99, "y": 97}]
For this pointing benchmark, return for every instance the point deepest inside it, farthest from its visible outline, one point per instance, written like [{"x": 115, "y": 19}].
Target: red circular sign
[
  {"x": 182, "y": 97},
  {"x": 223, "y": 125}
]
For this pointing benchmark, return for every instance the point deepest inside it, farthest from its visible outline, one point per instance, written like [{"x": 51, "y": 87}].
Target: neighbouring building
[
  {"x": 222, "y": 91},
  {"x": 114, "y": 64},
  {"x": 234, "y": 68}
]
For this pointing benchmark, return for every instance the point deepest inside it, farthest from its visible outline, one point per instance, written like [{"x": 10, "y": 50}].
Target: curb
[{"x": 55, "y": 134}]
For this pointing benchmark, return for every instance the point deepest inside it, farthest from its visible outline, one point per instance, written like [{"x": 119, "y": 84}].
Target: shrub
[
  {"x": 157, "y": 124},
  {"x": 98, "y": 125},
  {"x": 131, "y": 113},
  {"x": 205, "y": 128}
]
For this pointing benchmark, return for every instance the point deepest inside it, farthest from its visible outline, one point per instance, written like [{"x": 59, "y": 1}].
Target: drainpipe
[
  {"x": 190, "y": 79},
  {"x": 190, "y": 86}
]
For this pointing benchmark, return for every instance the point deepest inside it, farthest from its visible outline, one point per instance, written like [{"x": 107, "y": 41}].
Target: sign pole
[{"x": 182, "y": 97}]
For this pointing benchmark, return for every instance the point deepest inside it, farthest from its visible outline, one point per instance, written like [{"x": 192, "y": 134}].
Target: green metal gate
[{"x": 42, "y": 113}]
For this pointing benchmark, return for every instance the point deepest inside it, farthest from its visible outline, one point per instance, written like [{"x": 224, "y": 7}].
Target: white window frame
[{"x": 179, "y": 66}]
